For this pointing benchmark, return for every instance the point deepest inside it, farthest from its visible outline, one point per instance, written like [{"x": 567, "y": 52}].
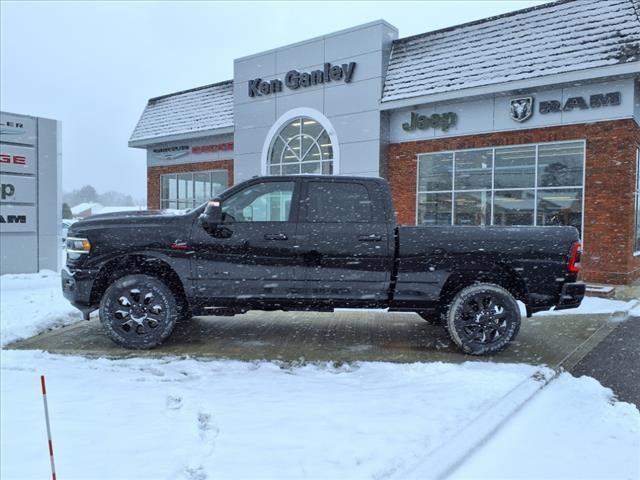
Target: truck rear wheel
[
  {"x": 138, "y": 311},
  {"x": 483, "y": 318}
]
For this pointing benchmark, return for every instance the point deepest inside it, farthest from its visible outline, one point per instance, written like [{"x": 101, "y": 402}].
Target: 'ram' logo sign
[
  {"x": 13, "y": 219},
  {"x": 521, "y": 108}
]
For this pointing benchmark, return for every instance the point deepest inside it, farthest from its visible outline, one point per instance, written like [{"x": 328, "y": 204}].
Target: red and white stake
[{"x": 46, "y": 417}]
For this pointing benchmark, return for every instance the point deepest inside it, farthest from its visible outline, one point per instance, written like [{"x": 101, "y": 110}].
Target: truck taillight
[{"x": 574, "y": 258}]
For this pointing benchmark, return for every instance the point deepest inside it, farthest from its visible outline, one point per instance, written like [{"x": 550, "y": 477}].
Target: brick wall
[
  {"x": 153, "y": 176},
  {"x": 609, "y": 229}
]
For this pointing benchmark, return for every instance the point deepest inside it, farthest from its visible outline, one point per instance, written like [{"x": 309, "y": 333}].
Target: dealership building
[{"x": 527, "y": 118}]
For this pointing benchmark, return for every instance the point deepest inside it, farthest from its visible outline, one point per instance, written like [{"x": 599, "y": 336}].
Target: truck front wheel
[
  {"x": 483, "y": 318},
  {"x": 138, "y": 311}
]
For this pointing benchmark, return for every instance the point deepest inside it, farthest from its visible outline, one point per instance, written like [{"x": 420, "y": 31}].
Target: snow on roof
[
  {"x": 560, "y": 37},
  {"x": 83, "y": 207},
  {"x": 190, "y": 111}
]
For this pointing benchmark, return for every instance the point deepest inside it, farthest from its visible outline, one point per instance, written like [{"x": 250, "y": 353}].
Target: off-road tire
[
  {"x": 139, "y": 311},
  {"x": 483, "y": 318}
]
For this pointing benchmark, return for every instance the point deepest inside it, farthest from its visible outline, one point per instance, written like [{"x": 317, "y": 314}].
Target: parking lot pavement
[
  {"x": 615, "y": 362},
  {"x": 343, "y": 336}
]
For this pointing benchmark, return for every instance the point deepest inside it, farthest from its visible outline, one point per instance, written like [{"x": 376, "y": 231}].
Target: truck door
[
  {"x": 344, "y": 244},
  {"x": 251, "y": 255}
]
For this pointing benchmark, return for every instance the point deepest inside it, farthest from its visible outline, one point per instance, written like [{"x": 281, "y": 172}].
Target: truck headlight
[{"x": 78, "y": 245}]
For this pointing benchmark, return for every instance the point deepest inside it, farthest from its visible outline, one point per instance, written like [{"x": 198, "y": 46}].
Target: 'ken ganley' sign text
[{"x": 295, "y": 79}]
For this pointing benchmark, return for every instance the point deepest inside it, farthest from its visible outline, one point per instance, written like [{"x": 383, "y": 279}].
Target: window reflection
[
  {"x": 513, "y": 207},
  {"x": 560, "y": 165},
  {"x": 434, "y": 208},
  {"x": 188, "y": 190},
  {"x": 560, "y": 207},
  {"x": 515, "y": 167},
  {"x": 473, "y": 169},
  {"x": 472, "y": 208},
  {"x": 515, "y": 185}
]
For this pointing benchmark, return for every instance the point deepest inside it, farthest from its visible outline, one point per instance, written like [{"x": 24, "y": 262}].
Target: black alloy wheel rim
[
  {"x": 139, "y": 311},
  {"x": 484, "y": 319}
]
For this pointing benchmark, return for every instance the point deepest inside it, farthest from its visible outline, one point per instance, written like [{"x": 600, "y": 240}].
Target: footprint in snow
[
  {"x": 174, "y": 402},
  {"x": 195, "y": 473},
  {"x": 207, "y": 432}
]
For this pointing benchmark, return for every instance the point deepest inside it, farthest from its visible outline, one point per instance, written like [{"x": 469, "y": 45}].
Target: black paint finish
[{"x": 318, "y": 262}]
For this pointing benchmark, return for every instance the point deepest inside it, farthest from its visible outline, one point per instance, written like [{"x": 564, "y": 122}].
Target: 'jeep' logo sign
[
  {"x": 7, "y": 190},
  {"x": 295, "y": 79},
  {"x": 442, "y": 121}
]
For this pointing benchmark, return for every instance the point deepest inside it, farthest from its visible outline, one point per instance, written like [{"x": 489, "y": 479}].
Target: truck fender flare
[
  {"x": 136, "y": 262},
  {"x": 500, "y": 274}
]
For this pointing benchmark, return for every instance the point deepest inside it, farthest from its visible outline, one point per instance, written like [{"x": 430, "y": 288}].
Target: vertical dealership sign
[{"x": 30, "y": 208}]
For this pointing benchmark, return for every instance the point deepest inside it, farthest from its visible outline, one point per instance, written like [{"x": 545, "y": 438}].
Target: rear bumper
[
  {"x": 76, "y": 287},
  {"x": 571, "y": 295}
]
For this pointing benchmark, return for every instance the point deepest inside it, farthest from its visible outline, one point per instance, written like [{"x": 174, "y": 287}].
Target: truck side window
[
  {"x": 338, "y": 202},
  {"x": 262, "y": 202}
]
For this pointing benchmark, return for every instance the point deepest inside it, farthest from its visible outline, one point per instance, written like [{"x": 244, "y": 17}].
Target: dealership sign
[
  {"x": 171, "y": 153},
  {"x": 595, "y": 101},
  {"x": 521, "y": 108},
  {"x": 439, "y": 121},
  {"x": 17, "y": 218},
  {"x": 294, "y": 79},
  {"x": 17, "y": 188},
  {"x": 17, "y": 129},
  {"x": 219, "y": 147}
]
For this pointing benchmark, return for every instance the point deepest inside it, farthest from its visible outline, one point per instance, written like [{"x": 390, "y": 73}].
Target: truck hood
[{"x": 145, "y": 218}]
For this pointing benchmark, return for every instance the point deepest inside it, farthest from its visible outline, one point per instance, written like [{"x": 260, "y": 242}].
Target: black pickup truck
[{"x": 314, "y": 243}]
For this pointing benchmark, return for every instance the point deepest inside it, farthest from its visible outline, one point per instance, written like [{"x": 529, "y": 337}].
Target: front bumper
[
  {"x": 571, "y": 295},
  {"x": 76, "y": 287}
]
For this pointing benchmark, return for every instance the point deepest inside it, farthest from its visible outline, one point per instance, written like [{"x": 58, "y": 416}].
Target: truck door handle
[
  {"x": 275, "y": 236},
  {"x": 370, "y": 238}
]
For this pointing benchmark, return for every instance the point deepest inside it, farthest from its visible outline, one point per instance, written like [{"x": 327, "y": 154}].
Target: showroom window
[
  {"x": 188, "y": 190},
  {"x": 519, "y": 185},
  {"x": 301, "y": 146}
]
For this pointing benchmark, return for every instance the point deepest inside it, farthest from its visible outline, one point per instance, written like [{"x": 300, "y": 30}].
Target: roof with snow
[
  {"x": 191, "y": 111},
  {"x": 560, "y": 37},
  {"x": 555, "y": 38},
  {"x": 83, "y": 207}
]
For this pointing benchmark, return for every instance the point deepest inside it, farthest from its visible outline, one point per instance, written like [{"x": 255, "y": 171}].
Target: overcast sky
[{"x": 94, "y": 65}]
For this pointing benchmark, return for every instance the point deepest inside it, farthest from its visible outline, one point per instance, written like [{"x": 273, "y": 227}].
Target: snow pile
[
  {"x": 180, "y": 418},
  {"x": 592, "y": 305},
  {"x": 572, "y": 430},
  {"x": 32, "y": 303}
]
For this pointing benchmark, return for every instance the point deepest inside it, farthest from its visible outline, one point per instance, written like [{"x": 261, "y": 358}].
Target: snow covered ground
[
  {"x": 181, "y": 418},
  {"x": 32, "y": 303},
  {"x": 595, "y": 305}
]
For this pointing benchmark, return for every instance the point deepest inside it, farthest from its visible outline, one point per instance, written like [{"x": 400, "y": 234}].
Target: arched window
[{"x": 301, "y": 146}]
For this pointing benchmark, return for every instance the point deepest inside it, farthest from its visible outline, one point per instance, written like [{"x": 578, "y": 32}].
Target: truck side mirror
[{"x": 212, "y": 215}]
